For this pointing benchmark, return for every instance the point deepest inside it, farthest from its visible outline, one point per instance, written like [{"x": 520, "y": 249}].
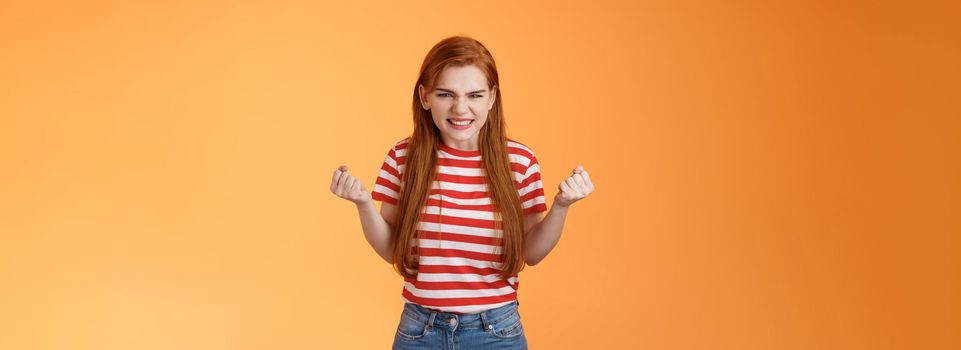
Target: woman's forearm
[
  {"x": 542, "y": 237},
  {"x": 376, "y": 230}
]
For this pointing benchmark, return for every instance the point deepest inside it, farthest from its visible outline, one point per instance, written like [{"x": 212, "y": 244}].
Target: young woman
[{"x": 462, "y": 207}]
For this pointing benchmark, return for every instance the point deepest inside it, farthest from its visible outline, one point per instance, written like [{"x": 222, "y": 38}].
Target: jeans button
[{"x": 453, "y": 322}]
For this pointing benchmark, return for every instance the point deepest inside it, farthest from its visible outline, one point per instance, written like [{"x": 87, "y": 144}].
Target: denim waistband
[{"x": 452, "y": 321}]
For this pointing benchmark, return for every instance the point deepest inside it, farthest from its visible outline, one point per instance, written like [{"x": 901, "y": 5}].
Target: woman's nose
[{"x": 460, "y": 105}]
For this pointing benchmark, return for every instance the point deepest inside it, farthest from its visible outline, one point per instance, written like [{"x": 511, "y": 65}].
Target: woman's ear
[
  {"x": 493, "y": 97},
  {"x": 423, "y": 99}
]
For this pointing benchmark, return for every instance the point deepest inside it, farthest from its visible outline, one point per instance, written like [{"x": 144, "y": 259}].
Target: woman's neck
[{"x": 467, "y": 145}]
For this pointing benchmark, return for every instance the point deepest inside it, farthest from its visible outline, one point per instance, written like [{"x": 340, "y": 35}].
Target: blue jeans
[{"x": 498, "y": 328}]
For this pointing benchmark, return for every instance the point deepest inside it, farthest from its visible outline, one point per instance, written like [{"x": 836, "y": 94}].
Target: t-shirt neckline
[{"x": 458, "y": 152}]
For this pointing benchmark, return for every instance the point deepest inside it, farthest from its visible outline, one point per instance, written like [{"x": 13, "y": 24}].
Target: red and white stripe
[{"x": 458, "y": 245}]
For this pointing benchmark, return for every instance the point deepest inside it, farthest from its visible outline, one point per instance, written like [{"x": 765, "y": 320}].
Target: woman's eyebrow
[{"x": 452, "y": 91}]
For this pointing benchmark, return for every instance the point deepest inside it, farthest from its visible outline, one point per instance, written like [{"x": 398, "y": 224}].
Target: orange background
[{"x": 769, "y": 176}]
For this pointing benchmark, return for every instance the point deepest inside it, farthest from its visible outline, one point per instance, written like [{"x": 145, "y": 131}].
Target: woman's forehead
[{"x": 461, "y": 79}]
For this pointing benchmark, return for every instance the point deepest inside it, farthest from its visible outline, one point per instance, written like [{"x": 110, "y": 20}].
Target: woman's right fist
[{"x": 347, "y": 187}]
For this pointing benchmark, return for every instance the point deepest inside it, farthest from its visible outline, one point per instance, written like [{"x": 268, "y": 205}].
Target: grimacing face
[{"x": 459, "y": 105}]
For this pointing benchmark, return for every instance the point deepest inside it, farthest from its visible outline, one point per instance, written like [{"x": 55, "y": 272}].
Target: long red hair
[{"x": 420, "y": 168}]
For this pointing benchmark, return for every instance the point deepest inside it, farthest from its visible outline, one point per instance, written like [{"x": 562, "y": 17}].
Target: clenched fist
[
  {"x": 347, "y": 186},
  {"x": 574, "y": 188}
]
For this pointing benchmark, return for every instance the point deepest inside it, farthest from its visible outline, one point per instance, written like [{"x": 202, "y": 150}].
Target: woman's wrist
[
  {"x": 369, "y": 204},
  {"x": 560, "y": 207}
]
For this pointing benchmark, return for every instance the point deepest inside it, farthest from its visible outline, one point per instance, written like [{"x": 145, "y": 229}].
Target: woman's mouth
[{"x": 460, "y": 124}]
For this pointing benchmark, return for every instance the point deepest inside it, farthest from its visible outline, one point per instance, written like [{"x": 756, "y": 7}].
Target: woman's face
[{"x": 461, "y": 96}]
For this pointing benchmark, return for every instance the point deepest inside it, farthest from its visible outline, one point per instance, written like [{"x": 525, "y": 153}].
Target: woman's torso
[{"x": 457, "y": 244}]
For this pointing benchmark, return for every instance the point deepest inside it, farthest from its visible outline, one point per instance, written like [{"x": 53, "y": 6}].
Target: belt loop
[
  {"x": 486, "y": 321},
  {"x": 430, "y": 320}
]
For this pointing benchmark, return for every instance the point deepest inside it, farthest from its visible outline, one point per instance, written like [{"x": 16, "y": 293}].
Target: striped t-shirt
[{"x": 459, "y": 249}]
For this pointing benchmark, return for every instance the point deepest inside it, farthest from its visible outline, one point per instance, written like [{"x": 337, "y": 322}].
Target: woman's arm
[
  {"x": 543, "y": 233},
  {"x": 541, "y": 236},
  {"x": 376, "y": 226}
]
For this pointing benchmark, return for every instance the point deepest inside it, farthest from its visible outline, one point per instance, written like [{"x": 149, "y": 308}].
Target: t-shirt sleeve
[
  {"x": 531, "y": 189},
  {"x": 387, "y": 187}
]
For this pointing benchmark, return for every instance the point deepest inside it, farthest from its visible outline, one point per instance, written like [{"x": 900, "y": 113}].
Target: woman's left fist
[{"x": 574, "y": 188}]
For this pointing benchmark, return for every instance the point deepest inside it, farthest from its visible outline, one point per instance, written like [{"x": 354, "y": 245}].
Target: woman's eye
[{"x": 445, "y": 94}]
